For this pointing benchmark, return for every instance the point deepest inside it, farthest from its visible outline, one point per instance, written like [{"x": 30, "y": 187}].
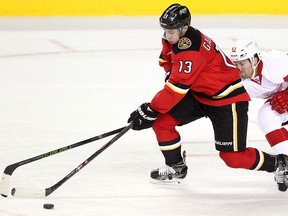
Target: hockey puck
[
  {"x": 13, "y": 191},
  {"x": 48, "y": 206}
]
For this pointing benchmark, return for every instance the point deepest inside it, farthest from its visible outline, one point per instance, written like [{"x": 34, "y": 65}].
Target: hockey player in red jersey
[
  {"x": 203, "y": 82},
  {"x": 265, "y": 75}
]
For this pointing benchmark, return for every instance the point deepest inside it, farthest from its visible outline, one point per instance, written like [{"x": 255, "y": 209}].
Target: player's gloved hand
[
  {"x": 167, "y": 75},
  {"x": 143, "y": 117},
  {"x": 279, "y": 102}
]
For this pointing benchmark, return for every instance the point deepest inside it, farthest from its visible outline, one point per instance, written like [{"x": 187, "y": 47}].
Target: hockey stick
[
  {"x": 32, "y": 192},
  {"x": 4, "y": 185}
]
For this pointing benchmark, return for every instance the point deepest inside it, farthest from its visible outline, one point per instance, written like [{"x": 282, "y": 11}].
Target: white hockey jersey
[{"x": 272, "y": 75}]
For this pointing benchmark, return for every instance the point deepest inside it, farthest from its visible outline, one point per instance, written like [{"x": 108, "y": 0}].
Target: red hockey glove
[
  {"x": 144, "y": 117},
  {"x": 279, "y": 102}
]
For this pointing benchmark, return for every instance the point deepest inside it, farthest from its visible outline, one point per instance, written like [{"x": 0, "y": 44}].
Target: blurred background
[{"x": 134, "y": 7}]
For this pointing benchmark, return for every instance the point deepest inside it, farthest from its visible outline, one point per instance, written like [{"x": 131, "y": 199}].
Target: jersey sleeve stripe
[
  {"x": 232, "y": 90},
  {"x": 229, "y": 90},
  {"x": 177, "y": 89},
  {"x": 162, "y": 60}
]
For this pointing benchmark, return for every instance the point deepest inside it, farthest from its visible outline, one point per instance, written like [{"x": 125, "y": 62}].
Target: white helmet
[{"x": 245, "y": 49}]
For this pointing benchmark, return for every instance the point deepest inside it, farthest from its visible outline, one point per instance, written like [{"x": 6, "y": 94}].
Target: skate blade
[{"x": 173, "y": 182}]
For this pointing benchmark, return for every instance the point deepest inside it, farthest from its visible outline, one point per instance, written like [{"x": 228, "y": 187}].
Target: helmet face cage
[
  {"x": 175, "y": 17},
  {"x": 244, "y": 49}
]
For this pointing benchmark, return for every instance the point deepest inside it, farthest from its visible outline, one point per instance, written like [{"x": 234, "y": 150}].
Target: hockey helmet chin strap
[
  {"x": 254, "y": 66},
  {"x": 181, "y": 30}
]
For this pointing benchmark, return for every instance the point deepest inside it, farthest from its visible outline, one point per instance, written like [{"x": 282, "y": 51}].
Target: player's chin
[
  {"x": 244, "y": 76},
  {"x": 172, "y": 42}
]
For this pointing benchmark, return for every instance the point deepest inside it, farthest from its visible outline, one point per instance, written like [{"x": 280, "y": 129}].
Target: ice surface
[{"x": 64, "y": 80}]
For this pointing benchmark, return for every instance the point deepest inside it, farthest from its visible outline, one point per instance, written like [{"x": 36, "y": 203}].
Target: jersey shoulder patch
[
  {"x": 184, "y": 43},
  {"x": 190, "y": 41}
]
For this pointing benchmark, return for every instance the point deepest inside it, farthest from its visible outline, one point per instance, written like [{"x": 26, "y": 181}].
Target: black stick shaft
[
  {"x": 51, "y": 189},
  {"x": 10, "y": 169}
]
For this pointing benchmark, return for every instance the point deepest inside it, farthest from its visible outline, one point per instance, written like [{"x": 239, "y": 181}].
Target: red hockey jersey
[{"x": 200, "y": 67}]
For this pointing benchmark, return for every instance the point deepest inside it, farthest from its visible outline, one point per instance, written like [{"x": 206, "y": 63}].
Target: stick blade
[
  {"x": 4, "y": 185},
  {"x": 28, "y": 192}
]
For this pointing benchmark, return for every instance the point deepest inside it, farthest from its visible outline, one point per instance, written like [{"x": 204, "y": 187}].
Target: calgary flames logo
[{"x": 184, "y": 43}]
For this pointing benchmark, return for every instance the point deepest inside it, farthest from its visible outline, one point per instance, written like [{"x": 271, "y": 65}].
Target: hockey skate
[
  {"x": 281, "y": 172},
  {"x": 173, "y": 174}
]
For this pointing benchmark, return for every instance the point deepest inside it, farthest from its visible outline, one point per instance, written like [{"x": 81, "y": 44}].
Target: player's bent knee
[
  {"x": 244, "y": 159},
  {"x": 230, "y": 159}
]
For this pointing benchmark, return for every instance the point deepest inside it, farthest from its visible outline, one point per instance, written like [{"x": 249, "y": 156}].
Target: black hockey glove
[{"x": 143, "y": 117}]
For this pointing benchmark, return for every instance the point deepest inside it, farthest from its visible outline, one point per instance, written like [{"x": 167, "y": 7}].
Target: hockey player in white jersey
[{"x": 265, "y": 75}]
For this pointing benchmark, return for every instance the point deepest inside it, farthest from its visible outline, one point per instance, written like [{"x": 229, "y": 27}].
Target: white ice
[{"x": 63, "y": 80}]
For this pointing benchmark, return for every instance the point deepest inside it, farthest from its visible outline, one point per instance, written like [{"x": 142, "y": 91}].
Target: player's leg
[
  {"x": 169, "y": 139},
  {"x": 230, "y": 128},
  {"x": 169, "y": 142},
  {"x": 232, "y": 146},
  {"x": 271, "y": 123}
]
